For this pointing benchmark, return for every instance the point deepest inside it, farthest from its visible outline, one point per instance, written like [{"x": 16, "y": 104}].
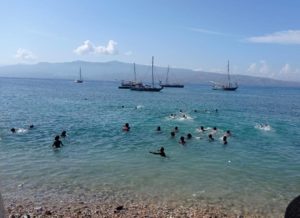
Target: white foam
[
  {"x": 263, "y": 127},
  {"x": 139, "y": 107},
  {"x": 21, "y": 130}
]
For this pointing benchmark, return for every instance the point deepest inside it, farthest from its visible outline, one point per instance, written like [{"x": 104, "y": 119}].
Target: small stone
[
  {"x": 38, "y": 209},
  {"x": 48, "y": 212}
]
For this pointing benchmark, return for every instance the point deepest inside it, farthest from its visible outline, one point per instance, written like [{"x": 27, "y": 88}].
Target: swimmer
[
  {"x": 172, "y": 134},
  {"x": 225, "y": 140},
  {"x": 189, "y": 136},
  {"x": 182, "y": 141},
  {"x": 210, "y": 138},
  {"x": 160, "y": 152},
  {"x": 63, "y": 134},
  {"x": 227, "y": 133},
  {"x": 13, "y": 130},
  {"x": 158, "y": 129},
  {"x": 31, "y": 126},
  {"x": 195, "y": 111},
  {"x": 122, "y": 106},
  {"x": 176, "y": 129},
  {"x": 57, "y": 143},
  {"x": 126, "y": 127},
  {"x": 184, "y": 116},
  {"x": 202, "y": 129},
  {"x": 214, "y": 131},
  {"x": 217, "y": 110}
]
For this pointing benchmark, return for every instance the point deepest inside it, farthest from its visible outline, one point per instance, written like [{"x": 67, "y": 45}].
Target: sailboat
[
  {"x": 147, "y": 88},
  {"x": 130, "y": 84},
  {"x": 229, "y": 86},
  {"x": 80, "y": 80},
  {"x": 170, "y": 85}
]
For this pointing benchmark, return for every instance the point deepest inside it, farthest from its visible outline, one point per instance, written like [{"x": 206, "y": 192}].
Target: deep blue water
[{"x": 258, "y": 169}]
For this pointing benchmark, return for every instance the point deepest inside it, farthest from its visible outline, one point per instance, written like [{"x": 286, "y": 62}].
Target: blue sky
[{"x": 260, "y": 38}]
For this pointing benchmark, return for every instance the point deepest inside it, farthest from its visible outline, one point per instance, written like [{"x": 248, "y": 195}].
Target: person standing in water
[{"x": 57, "y": 143}]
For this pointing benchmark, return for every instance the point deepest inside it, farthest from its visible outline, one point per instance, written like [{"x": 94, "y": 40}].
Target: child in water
[{"x": 57, "y": 143}]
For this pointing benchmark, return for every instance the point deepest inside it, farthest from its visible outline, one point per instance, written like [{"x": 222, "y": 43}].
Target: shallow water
[{"x": 259, "y": 168}]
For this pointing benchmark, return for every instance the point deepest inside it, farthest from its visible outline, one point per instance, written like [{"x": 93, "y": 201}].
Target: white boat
[
  {"x": 130, "y": 84},
  {"x": 80, "y": 80},
  {"x": 148, "y": 88},
  {"x": 229, "y": 86}
]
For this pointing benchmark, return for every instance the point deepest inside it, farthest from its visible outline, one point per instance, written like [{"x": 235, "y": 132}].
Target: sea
[{"x": 257, "y": 170}]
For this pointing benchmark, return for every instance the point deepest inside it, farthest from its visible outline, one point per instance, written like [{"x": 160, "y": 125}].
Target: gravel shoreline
[{"x": 131, "y": 209}]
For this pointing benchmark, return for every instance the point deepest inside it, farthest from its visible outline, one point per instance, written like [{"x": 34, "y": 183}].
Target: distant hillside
[{"x": 117, "y": 71}]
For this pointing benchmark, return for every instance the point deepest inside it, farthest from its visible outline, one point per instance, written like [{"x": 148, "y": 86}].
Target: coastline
[{"x": 112, "y": 207}]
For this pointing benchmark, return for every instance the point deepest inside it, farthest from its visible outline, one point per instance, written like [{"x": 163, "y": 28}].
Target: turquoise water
[{"x": 258, "y": 169}]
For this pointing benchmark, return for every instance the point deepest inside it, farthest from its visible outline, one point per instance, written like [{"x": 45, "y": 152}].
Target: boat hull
[
  {"x": 172, "y": 86},
  {"x": 146, "y": 89}
]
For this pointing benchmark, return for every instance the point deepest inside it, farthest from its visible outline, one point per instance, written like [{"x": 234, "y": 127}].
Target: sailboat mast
[
  {"x": 79, "y": 73},
  {"x": 167, "y": 79},
  {"x": 134, "y": 72},
  {"x": 228, "y": 73},
  {"x": 152, "y": 71}
]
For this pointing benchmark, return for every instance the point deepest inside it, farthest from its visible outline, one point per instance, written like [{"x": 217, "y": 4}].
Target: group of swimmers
[
  {"x": 14, "y": 130},
  {"x": 182, "y": 141},
  {"x": 56, "y": 144}
]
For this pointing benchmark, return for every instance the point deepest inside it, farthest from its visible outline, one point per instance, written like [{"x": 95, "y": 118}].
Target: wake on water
[{"x": 263, "y": 127}]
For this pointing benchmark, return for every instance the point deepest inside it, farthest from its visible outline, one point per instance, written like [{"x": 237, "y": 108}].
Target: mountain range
[{"x": 117, "y": 71}]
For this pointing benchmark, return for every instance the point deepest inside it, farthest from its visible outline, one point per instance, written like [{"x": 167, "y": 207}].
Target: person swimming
[
  {"x": 227, "y": 133},
  {"x": 202, "y": 129},
  {"x": 57, "y": 143},
  {"x": 172, "y": 134},
  {"x": 126, "y": 127},
  {"x": 210, "y": 138},
  {"x": 160, "y": 152},
  {"x": 182, "y": 141},
  {"x": 189, "y": 136},
  {"x": 225, "y": 140},
  {"x": 31, "y": 126},
  {"x": 63, "y": 133},
  {"x": 176, "y": 129},
  {"x": 158, "y": 129},
  {"x": 13, "y": 130},
  {"x": 214, "y": 131}
]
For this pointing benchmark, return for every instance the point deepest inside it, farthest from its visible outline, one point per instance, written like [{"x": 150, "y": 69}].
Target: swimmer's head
[
  {"x": 215, "y": 128},
  {"x": 189, "y": 135},
  {"x": 31, "y": 126},
  {"x": 158, "y": 128},
  {"x": 172, "y": 133},
  {"x": 13, "y": 130},
  {"x": 56, "y": 137}
]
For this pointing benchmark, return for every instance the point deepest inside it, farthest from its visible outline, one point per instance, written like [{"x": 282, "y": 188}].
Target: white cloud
[
  {"x": 283, "y": 37},
  {"x": 286, "y": 69},
  {"x": 25, "y": 55},
  {"x": 200, "y": 30},
  {"x": 252, "y": 68},
  {"x": 88, "y": 48},
  {"x": 260, "y": 69}
]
